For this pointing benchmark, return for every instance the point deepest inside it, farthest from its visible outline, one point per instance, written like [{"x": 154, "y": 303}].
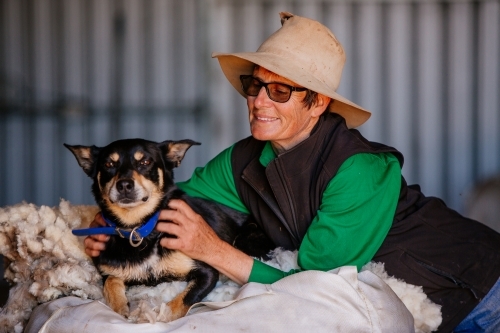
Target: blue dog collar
[{"x": 135, "y": 235}]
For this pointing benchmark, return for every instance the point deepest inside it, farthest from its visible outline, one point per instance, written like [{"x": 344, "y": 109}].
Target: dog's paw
[
  {"x": 167, "y": 314},
  {"x": 119, "y": 305},
  {"x": 121, "y": 309},
  {"x": 172, "y": 310}
]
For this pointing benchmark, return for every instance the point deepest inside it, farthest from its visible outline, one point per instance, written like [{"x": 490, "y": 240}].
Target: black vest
[{"x": 455, "y": 259}]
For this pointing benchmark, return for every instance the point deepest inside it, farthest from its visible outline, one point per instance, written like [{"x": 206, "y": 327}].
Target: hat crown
[{"x": 308, "y": 46}]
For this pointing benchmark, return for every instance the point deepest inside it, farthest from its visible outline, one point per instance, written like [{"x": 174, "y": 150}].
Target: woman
[{"x": 316, "y": 185}]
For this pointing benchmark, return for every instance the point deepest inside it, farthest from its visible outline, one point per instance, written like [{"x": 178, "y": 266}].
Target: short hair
[{"x": 310, "y": 99}]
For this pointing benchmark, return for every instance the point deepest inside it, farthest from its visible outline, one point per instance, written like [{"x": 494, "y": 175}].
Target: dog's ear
[
  {"x": 174, "y": 151},
  {"x": 86, "y": 157}
]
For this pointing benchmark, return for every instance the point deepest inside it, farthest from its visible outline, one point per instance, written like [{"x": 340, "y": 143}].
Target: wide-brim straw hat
[{"x": 305, "y": 52}]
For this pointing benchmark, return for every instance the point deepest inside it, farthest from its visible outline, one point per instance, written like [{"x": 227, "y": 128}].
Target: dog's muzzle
[{"x": 126, "y": 193}]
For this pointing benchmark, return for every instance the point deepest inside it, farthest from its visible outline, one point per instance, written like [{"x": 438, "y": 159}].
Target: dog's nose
[{"x": 125, "y": 186}]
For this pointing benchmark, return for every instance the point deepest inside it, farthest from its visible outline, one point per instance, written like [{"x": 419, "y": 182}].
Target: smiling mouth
[{"x": 267, "y": 119}]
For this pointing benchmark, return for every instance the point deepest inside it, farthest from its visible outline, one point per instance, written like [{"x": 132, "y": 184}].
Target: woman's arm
[{"x": 356, "y": 213}]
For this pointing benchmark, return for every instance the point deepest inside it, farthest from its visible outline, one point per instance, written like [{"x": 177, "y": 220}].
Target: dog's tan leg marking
[
  {"x": 177, "y": 307},
  {"x": 114, "y": 294}
]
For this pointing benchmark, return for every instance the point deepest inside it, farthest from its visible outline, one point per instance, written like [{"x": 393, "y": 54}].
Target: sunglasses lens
[
  {"x": 251, "y": 87},
  {"x": 278, "y": 92}
]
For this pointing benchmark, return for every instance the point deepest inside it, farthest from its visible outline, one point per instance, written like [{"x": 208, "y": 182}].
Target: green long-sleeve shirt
[{"x": 353, "y": 219}]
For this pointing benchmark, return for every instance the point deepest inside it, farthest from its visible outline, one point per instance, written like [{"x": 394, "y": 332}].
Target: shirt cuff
[{"x": 263, "y": 273}]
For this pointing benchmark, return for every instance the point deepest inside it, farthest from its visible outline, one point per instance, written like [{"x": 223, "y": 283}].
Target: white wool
[
  {"x": 34, "y": 246},
  {"x": 33, "y": 218},
  {"x": 72, "y": 273},
  {"x": 72, "y": 246},
  {"x": 223, "y": 291},
  {"x": 18, "y": 328},
  {"x": 284, "y": 260},
  {"x": 48, "y": 262},
  {"x": 37, "y": 288},
  {"x": 47, "y": 216},
  {"x": 53, "y": 233},
  {"x": 58, "y": 252},
  {"x": 4, "y": 243},
  {"x": 17, "y": 309},
  {"x": 163, "y": 292},
  {"x": 29, "y": 230},
  {"x": 47, "y": 245},
  {"x": 49, "y": 294},
  {"x": 4, "y": 217},
  {"x": 426, "y": 314},
  {"x": 22, "y": 250},
  {"x": 144, "y": 313},
  {"x": 41, "y": 248},
  {"x": 61, "y": 223}
]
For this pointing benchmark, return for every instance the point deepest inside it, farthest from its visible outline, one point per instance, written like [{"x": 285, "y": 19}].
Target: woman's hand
[
  {"x": 94, "y": 244},
  {"x": 197, "y": 240}
]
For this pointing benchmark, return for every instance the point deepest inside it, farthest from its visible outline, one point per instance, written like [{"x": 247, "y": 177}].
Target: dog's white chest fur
[{"x": 154, "y": 266}]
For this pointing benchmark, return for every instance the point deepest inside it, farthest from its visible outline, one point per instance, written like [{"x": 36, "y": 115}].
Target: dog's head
[{"x": 132, "y": 177}]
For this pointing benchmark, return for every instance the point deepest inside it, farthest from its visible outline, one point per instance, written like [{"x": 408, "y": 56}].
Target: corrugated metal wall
[{"x": 90, "y": 71}]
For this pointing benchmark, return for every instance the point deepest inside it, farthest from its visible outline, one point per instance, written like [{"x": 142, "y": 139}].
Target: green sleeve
[
  {"x": 215, "y": 181},
  {"x": 354, "y": 218}
]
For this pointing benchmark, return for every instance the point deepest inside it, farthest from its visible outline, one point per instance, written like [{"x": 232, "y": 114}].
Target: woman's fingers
[
  {"x": 177, "y": 203},
  {"x": 177, "y": 212},
  {"x": 170, "y": 243},
  {"x": 93, "y": 248},
  {"x": 98, "y": 221},
  {"x": 168, "y": 228},
  {"x": 94, "y": 244}
]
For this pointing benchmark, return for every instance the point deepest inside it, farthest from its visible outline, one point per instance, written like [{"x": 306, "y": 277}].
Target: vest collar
[{"x": 268, "y": 154}]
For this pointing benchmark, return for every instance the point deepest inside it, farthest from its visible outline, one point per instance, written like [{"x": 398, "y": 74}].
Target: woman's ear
[{"x": 321, "y": 105}]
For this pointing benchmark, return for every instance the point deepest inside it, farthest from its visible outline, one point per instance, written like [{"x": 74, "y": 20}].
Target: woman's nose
[{"x": 262, "y": 98}]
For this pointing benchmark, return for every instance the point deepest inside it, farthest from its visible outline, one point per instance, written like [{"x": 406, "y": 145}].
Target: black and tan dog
[{"x": 132, "y": 182}]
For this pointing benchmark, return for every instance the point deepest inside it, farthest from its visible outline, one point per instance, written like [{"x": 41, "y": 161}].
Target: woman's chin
[{"x": 263, "y": 134}]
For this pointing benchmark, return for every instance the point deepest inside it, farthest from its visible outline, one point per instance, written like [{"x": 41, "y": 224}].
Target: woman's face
[{"x": 284, "y": 124}]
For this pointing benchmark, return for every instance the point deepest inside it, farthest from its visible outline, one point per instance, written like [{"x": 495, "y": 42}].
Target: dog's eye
[
  {"x": 109, "y": 164},
  {"x": 145, "y": 162}
]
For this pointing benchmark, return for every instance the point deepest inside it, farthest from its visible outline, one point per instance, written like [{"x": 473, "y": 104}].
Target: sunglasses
[{"x": 278, "y": 92}]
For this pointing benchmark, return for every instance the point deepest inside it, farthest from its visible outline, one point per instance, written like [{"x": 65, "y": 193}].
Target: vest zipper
[
  {"x": 273, "y": 208},
  {"x": 456, "y": 281},
  {"x": 288, "y": 196}
]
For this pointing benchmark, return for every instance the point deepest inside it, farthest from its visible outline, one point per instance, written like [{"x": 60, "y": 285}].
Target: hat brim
[{"x": 235, "y": 64}]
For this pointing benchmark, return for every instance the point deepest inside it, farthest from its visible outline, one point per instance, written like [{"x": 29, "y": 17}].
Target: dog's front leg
[
  {"x": 114, "y": 294},
  {"x": 202, "y": 280}
]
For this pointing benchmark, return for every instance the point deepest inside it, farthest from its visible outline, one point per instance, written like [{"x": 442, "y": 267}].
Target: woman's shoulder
[{"x": 369, "y": 161}]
